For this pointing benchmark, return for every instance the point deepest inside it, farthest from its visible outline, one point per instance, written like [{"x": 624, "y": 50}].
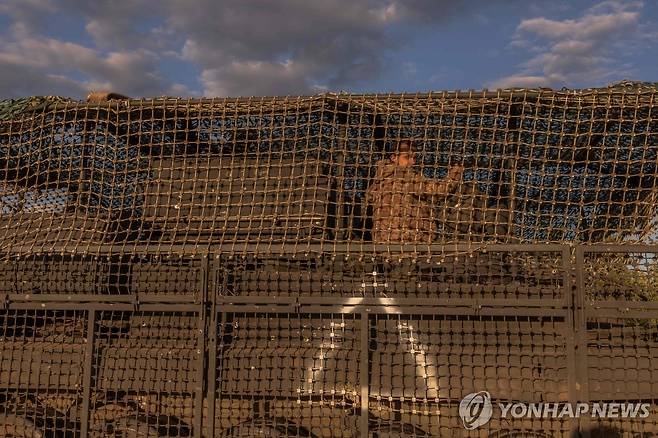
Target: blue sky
[{"x": 266, "y": 47}]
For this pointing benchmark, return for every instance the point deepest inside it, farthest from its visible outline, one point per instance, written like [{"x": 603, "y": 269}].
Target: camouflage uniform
[
  {"x": 401, "y": 200},
  {"x": 464, "y": 216}
]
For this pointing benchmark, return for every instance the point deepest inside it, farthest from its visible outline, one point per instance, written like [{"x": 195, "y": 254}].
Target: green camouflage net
[
  {"x": 278, "y": 174},
  {"x": 268, "y": 267}
]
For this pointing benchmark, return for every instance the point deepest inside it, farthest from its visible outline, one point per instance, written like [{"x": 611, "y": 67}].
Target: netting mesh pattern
[
  {"x": 307, "y": 366},
  {"x": 324, "y": 346},
  {"x": 255, "y": 173}
]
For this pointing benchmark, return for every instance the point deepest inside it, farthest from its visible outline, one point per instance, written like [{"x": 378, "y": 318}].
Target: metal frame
[
  {"x": 212, "y": 307},
  {"x": 584, "y": 310}
]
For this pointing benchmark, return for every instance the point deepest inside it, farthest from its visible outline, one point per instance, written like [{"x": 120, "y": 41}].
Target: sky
[{"x": 218, "y": 48}]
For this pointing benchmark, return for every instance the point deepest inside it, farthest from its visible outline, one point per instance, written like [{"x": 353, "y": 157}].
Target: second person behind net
[{"x": 403, "y": 200}]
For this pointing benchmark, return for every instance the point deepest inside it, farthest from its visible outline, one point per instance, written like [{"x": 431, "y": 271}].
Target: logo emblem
[{"x": 475, "y": 409}]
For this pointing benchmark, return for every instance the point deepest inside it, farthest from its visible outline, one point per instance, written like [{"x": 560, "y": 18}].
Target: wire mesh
[
  {"x": 620, "y": 335},
  {"x": 239, "y": 364},
  {"x": 41, "y": 368},
  {"x": 500, "y": 274},
  {"x": 145, "y": 374},
  {"x": 288, "y": 375},
  {"x": 623, "y": 275},
  {"x": 423, "y": 366},
  {"x": 108, "y": 276},
  {"x": 621, "y": 359}
]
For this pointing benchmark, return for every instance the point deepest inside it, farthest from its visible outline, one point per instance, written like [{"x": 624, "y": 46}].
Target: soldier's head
[{"x": 403, "y": 155}]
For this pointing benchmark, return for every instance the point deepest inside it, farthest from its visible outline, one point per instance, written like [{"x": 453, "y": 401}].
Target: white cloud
[
  {"x": 115, "y": 25},
  {"x": 573, "y": 51},
  {"x": 118, "y": 60},
  {"x": 27, "y": 15},
  {"x": 41, "y": 65},
  {"x": 242, "y": 46},
  {"x": 234, "y": 47},
  {"x": 288, "y": 46}
]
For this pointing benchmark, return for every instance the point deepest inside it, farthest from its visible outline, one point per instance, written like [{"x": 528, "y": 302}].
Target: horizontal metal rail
[
  {"x": 351, "y": 249},
  {"x": 565, "y": 355}
]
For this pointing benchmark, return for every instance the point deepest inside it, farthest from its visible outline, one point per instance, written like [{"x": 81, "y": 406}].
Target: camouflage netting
[
  {"x": 291, "y": 173},
  {"x": 197, "y": 268}
]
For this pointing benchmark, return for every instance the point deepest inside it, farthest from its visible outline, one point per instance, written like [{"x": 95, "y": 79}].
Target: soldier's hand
[{"x": 455, "y": 172}]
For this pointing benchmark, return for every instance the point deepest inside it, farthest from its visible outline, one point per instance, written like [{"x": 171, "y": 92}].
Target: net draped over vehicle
[
  {"x": 220, "y": 267},
  {"x": 253, "y": 174}
]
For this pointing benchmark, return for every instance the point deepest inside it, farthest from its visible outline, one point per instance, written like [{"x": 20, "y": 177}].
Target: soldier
[{"x": 402, "y": 199}]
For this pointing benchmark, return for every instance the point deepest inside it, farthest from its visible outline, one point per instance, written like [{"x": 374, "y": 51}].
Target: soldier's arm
[{"x": 428, "y": 187}]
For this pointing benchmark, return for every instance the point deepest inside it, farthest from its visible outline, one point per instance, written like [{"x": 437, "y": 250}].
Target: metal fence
[{"x": 345, "y": 347}]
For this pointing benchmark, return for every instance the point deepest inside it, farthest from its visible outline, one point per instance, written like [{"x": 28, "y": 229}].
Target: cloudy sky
[{"x": 278, "y": 47}]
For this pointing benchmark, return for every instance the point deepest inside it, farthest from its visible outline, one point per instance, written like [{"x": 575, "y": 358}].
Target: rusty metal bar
[
  {"x": 87, "y": 372},
  {"x": 364, "y": 374},
  {"x": 259, "y": 309},
  {"x": 368, "y": 301},
  {"x": 383, "y": 310},
  {"x": 338, "y": 247},
  {"x": 258, "y": 304},
  {"x": 570, "y": 335},
  {"x": 211, "y": 374},
  {"x": 201, "y": 349},
  {"x": 95, "y": 298},
  {"x": 105, "y": 306},
  {"x": 580, "y": 333},
  {"x": 621, "y": 248},
  {"x": 594, "y": 312},
  {"x": 622, "y": 305}
]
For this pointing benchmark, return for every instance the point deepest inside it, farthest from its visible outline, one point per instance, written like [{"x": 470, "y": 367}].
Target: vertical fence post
[
  {"x": 570, "y": 333},
  {"x": 211, "y": 375},
  {"x": 364, "y": 372},
  {"x": 86, "y": 374},
  {"x": 580, "y": 329},
  {"x": 201, "y": 349}
]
